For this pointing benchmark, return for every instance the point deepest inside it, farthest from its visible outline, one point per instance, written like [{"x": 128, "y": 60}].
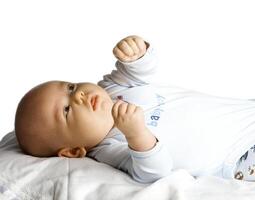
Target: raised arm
[{"x": 136, "y": 64}]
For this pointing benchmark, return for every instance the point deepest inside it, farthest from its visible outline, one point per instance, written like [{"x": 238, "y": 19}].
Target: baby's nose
[{"x": 79, "y": 97}]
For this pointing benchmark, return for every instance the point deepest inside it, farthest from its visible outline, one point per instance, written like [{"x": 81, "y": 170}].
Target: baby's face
[{"x": 79, "y": 114}]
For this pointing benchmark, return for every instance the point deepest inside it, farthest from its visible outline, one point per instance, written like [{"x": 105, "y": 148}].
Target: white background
[{"x": 204, "y": 45}]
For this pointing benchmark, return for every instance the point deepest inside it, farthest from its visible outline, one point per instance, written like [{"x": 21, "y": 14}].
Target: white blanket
[{"x": 24, "y": 177}]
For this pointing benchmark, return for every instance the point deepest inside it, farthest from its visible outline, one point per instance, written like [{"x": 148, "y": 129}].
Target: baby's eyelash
[{"x": 71, "y": 87}]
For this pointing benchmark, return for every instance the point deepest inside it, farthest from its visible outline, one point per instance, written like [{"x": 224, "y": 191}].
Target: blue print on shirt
[{"x": 155, "y": 116}]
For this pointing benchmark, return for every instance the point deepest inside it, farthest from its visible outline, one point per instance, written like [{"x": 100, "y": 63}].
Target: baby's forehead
[
  {"x": 52, "y": 85},
  {"x": 46, "y": 99},
  {"x": 51, "y": 91}
]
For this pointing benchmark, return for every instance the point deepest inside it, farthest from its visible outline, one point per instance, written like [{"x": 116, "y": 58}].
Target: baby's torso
[{"x": 199, "y": 130}]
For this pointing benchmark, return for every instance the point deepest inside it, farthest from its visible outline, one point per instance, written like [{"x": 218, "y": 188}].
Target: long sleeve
[
  {"x": 144, "y": 167},
  {"x": 130, "y": 74}
]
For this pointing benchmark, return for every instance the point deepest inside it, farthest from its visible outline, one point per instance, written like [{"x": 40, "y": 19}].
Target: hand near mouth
[{"x": 129, "y": 119}]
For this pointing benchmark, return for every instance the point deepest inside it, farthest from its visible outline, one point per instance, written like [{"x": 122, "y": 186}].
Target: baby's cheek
[{"x": 105, "y": 105}]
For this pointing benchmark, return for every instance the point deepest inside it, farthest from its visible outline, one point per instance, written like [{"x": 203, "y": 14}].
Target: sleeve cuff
[{"x": 144, "y": 154}]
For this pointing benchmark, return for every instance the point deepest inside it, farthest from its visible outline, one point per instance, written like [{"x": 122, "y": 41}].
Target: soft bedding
[{"x": 26, "y": 177}]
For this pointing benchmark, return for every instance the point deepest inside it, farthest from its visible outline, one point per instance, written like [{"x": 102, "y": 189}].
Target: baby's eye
[
  {"x": 66, "y": 109},
  {"x": 71, "y": 87}
]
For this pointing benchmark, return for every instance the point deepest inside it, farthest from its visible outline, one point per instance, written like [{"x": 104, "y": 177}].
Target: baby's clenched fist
[
  {"x": 128, "y": 118},
  {"x": 130, "y": 48}
]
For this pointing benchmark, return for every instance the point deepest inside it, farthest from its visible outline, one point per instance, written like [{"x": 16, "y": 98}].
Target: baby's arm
[
  {"x": 136, "y": 64},
  {"x": 144, "y": 167}
]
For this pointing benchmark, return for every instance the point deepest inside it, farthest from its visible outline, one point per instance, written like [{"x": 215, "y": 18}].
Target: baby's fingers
[
  {"x": 133, "y": 45},
  {"x": 140, "y": 44},
  {"x": 118, "y": 53},
  {"x": 122, "y": 109},
  {"x": 131, "y": 109},
  {"x": 115, "y": 109},
  {"x": 125, "y": 48}
]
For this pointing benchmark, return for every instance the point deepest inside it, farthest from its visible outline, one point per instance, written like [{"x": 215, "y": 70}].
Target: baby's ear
[{"x": 68, "y": 152}]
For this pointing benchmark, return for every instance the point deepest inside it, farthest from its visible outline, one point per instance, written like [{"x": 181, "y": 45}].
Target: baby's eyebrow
[{"x": 62, "y": 85}]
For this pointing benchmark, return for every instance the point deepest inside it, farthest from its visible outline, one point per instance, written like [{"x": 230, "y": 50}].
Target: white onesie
[{"x": 203, "y": 134}]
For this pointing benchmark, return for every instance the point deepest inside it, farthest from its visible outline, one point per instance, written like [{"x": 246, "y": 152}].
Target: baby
[{"x": 143, "y": 129}]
